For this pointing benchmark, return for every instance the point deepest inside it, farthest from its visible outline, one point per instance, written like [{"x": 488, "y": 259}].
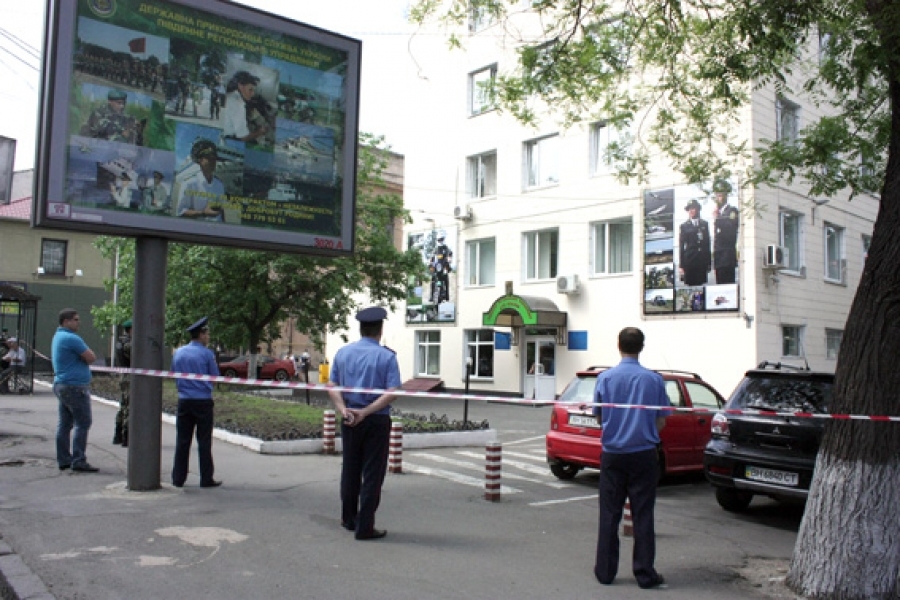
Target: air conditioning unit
[
  {"x": 463, "y": 213},
  {"x": 568, "y": 284},
  {"x": 776, "y": 257}
]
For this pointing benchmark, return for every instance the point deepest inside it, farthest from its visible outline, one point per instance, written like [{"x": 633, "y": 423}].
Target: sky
[{"x": 381, "y": 25}]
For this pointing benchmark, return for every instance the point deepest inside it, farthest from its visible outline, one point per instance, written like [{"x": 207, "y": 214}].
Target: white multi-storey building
[{"x": 552, "y": 256}]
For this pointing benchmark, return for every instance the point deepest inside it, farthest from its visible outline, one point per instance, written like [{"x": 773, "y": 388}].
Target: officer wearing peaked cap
[
  {"x": 726, "y": 220},
  {"x": 366, "y": 424},
  {"x": 195, "y": 406},
  {"x": 694, "y": 255}
]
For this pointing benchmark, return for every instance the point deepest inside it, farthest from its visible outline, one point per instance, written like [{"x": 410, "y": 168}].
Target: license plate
[
  {"x": 772, "y": 476},
  {"x": 583, "y": 420}
]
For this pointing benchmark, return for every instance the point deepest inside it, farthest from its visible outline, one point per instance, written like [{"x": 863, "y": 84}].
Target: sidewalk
[{"x": 272, "y": 531}]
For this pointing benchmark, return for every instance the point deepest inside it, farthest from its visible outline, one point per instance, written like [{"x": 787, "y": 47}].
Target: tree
[
  {"x": 681, "y": 71},
  {"x": 250, "y": 294}
]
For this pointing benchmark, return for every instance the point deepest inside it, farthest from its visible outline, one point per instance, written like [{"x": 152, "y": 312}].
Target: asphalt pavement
[{"x": 272, "y": 530}]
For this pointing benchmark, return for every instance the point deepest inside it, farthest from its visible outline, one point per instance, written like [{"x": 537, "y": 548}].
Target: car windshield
[
  {"x": 783, "y": 393},
  {"x": 580, "y": 390}
]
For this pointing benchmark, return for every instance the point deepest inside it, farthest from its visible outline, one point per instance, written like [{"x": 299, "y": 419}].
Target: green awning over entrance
[{"x": 523, "y": 311}]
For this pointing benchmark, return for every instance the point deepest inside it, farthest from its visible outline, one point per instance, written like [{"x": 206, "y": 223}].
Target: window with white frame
[
  {"x": 480, "y": 17},
  {"x": 787, "y": 120},
  {"x": 833, "y": 338},
  {"x": 542, "y": 162},
  {"x": 482, "y": 179},
  {"x": 480, "y": 349},
  {"x": 607, "y": 144},
  {"x": 481, "y": 90},
  {"x": 541, "y": 254},
  {"x": 612, "y": 246},
  {"x": 428, "y": 353},
  {"x": 866, "y": 244},
  {"x": 481, "y": 259},
  {"x": 53, "y": 256},
  {"x": 791, "y": 238},
  {"x": 792, "y": 340},
  {"x": 835, "y": 262}
]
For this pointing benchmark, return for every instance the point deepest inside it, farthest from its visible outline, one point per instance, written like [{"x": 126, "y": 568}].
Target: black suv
[{"x": 766, "y": 454}]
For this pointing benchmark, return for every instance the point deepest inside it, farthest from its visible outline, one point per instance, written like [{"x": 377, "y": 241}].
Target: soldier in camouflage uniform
[
  {"x": 110, "y": 122},
  {"x": 123, "y": 359}
]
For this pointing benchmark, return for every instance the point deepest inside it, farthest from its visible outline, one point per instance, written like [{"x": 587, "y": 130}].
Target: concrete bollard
[
  {"x": 328, "y": 433},
  {"x": 628, "y": 524},
  {"x": 492, "y": 467},
  {"x": 395, "y": 454}
]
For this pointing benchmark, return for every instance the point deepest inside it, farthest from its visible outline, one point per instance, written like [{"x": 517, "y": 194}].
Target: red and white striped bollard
[
  {"x": 628, "y": 524},
  {"x": 395, "y": 453},
  {"x": 492, "y": 468},
  {"x": 328, "y": 433}
]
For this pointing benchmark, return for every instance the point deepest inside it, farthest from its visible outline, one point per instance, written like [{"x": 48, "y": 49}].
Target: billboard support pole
[{"x": 145, "y": 413}]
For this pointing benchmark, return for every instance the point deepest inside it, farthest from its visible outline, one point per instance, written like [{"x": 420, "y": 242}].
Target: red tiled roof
[{"x": 19, "y": 210}]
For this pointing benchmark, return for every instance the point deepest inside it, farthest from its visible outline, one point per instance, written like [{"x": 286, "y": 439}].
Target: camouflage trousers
[{"x": 121, "y": 432}]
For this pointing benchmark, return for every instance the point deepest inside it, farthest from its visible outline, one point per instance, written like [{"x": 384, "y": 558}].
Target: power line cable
[
  {"x": 15, "y": 56},
  {"x": 21, "y": 43}
]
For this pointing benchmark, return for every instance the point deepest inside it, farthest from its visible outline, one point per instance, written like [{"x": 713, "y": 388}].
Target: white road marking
[
  {"x": 454, "y": 477},
  {"x": 524, "y": 440},
  {"x": 480, "y": 467},
  {"x": 564, "y": 500},
  {"x": 527, "y": 467}
]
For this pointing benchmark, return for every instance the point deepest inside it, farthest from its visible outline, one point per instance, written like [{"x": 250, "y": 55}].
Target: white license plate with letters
[
  {"x": 772, "y": 476},
  {"x": 583, "y": 420}
]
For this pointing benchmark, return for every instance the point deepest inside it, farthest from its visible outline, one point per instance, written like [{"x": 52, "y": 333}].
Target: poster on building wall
[
  {"x": 201, "y": 121},
  {"x": 433, "y": 298},
  {"x": 691, "y": 248}
]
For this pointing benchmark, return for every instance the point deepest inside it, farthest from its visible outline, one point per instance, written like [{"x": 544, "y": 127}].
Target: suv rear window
[{"x": 793, "y": 393}]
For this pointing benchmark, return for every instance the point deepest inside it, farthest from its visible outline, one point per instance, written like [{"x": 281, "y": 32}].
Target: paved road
[{"x": 272, "y": 530}]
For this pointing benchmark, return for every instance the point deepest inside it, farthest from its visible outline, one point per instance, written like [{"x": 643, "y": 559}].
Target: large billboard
[
  {"x": 200, "y": 121},
  {"x": 691, "y": 248}
]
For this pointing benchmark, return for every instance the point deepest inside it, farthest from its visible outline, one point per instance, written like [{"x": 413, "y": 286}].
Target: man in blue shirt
[
  {"x": 629, "y": 465},
  {"x": 366, "y": 425},
  {"x": 195, "y": 406},
  {"x": 72, "y": 386}
]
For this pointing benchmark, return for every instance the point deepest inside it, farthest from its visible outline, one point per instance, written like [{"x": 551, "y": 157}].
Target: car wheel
[
  {"x": 733, "y": 500},
  {"x": 230, "y": 373},
  {"x": 281, "y": 375},
  {"x": 565, "y": 471}
]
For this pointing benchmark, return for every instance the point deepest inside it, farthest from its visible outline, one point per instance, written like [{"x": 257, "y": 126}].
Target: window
[
  {"x": 791, "y": 239},
  {"x": 480, "y": 348},
  {"x": 791, "y": 340},
  {"x": 607, "y": 147},
  {"x": 481, "y": 257},
  {"x": 480, "y": 17},
  {"x": 542, "y": 162},
  {"x": 53, "y": 256},
  {"x": 612, "y": 245},
  {"x": 866, "y": 244},
  {"x": 481, "y": 90},
  {"x": 702, "y": 396},
  {"x": 787, "y": 116},
  {"x": 428, "y": 353},
  {"x": 835, "y": 262},
  {"x": 541, "y": 249},
  {"x": 833, "y": 339},
  {"x": 674, "y": 393},
  {"x": 482, "y": 179},
  {"x": 824, "y": 42}
]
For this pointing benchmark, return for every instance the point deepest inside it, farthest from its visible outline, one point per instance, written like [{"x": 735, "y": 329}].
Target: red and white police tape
[{"x": 495, "y": 399}]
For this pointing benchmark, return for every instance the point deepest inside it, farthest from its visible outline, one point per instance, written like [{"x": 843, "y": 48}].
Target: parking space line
[
  {"x": 564, "y": 500},
  {"x": 527, "y": 467},
  {"x": 480, "y": 467},
  {"x": 524, "y": 440},
  {"x": 455, "y": 477}
]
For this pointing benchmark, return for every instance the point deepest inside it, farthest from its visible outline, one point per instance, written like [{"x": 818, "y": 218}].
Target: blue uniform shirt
[
  {"x": 68, "y": 366},
  {"x": 628, "y": 430},
  {"x": 365, "y": 364},
  {"x": 194, "y": 358}
]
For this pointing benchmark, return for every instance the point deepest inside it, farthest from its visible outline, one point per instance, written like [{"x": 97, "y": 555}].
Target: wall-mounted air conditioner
[
  {"x": 568, "y": 284},
  {"x": 776, "y": 257},
  {"x": 463, "y": 213}
]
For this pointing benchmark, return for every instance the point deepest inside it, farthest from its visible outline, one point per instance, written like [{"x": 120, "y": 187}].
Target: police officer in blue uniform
[
  {"x": 366, "y": 426},
  {"x": 195, "y": 406}
]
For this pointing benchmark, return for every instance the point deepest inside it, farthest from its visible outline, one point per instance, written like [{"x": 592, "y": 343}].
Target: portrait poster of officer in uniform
[{"x": 433, "y": 298}]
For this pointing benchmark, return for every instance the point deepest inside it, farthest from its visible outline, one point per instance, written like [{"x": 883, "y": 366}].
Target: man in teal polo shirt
[{"x": 72, "y": 386}]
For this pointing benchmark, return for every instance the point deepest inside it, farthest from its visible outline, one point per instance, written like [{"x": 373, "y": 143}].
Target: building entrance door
[{"x": 540, "y": 368}]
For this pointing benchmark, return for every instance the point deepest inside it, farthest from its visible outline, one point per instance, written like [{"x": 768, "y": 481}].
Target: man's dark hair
[
  {"x": 631, "y": 340},
  {"x": 66, "y": 314},
  {"x": 195, "y": 333},
  {"x": 371, "y": 329}
]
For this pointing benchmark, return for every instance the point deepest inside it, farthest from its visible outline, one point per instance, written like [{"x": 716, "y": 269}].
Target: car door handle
[{"x": 701, "y": 421}]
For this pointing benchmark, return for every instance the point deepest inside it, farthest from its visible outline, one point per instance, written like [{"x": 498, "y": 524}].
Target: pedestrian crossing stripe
[
  {"x": 454, "y": 477},
  {"x": 480, "y": 467}
]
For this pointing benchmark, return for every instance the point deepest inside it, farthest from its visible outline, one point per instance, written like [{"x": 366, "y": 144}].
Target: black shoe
[
  {"x": 211, "y": 483},
  {"x": 348, "y": 526},
  {"x": 117, "y": 440},
  {"x": 375, "y": 534},
  {"x": 178, "y": 485},
  {"x": 84, "y": 468},
  {"x": 657, "y": 582},
  {"x": 64, "y": 467}
]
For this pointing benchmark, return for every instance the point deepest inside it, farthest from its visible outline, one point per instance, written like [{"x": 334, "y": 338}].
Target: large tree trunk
[{"x": 849, "y": 542}]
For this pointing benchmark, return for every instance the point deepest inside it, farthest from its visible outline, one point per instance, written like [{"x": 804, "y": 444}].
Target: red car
[
  {"x": 272, "y": 368},
  {"x": 573, "y": 441}
]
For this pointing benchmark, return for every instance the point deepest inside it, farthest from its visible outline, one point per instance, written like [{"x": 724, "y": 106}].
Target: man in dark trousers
[
  {"x": 195, "y": 406},
  {"x": 629, "y": 466},
  {"x": 694, "y": 257},
  {"x": 366, "y": 426},
  {"x": 123, "y": 359},
  {"x": 725, "y": 226}
]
